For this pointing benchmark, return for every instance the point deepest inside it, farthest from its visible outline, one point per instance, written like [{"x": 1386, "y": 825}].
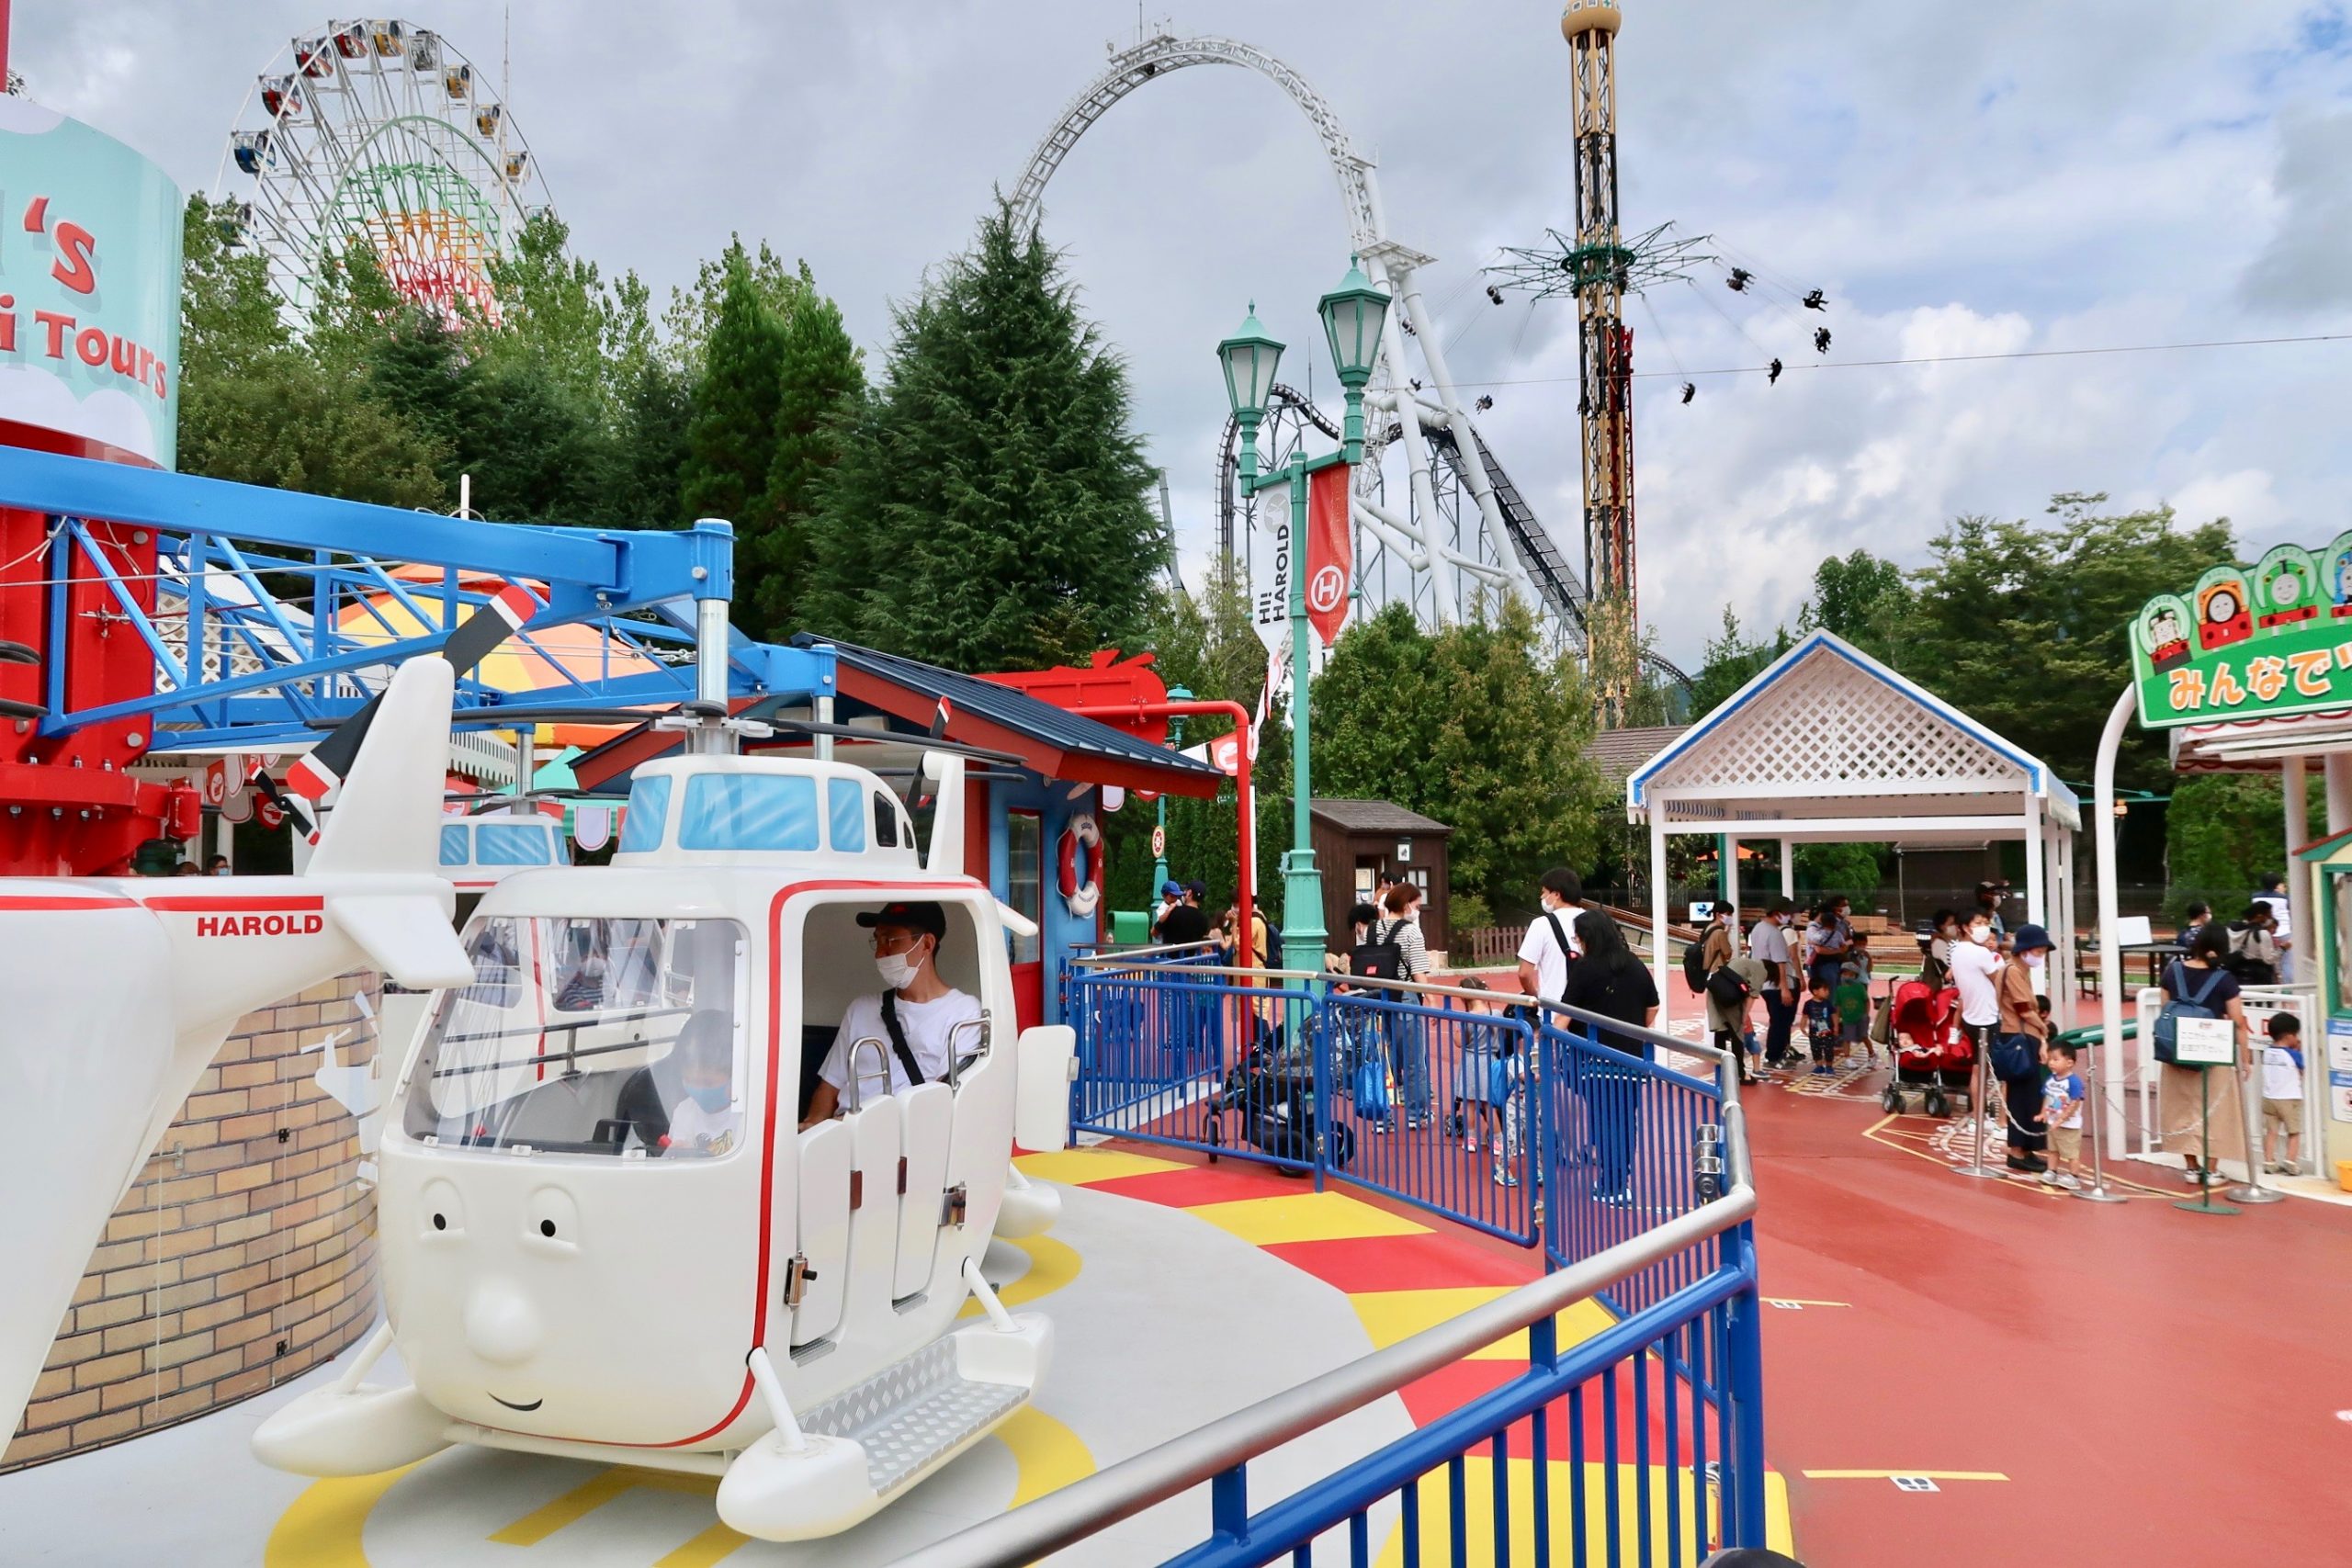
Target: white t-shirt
[
  {"x": 2281, "y": 1079},
  {"x": 1550, "y": 964},
  {"x": 927, "y": 1025},
  {"x": 689, "y": 1122},
  {"x": 1973, "y": 965}
]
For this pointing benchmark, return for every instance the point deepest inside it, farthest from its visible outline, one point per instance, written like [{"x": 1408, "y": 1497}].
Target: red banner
[{"x": 1331, "y": 551}]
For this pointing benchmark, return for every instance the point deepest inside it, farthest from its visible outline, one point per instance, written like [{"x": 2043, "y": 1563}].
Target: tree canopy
[{"x": 996, "y": 451}]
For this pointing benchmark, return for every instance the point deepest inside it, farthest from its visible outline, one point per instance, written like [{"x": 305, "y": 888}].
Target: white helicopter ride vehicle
[{"x": 604, "y": 1233}]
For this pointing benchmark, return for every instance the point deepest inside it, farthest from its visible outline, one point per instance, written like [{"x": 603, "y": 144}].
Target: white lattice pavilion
[{"x": 1828, "y": 745}]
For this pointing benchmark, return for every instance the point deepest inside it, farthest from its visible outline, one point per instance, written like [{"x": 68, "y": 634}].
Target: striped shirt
[{"x": 1407, "y": 935}]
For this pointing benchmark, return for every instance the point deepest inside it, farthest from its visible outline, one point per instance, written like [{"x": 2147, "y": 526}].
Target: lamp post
[
  {"x": 1352, "y": 315},
  {"x": 1175, "y": 743}
]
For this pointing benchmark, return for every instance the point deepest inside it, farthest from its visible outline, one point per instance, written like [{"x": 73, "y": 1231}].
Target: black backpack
[
  {"x": 1382, "y": 957},
  {"x": 1694, "y": 968},
  {"x": 1726, "y": 986}
]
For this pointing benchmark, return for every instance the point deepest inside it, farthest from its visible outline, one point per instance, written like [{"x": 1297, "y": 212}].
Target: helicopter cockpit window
[
  {"x": 456, "y": 848},
  {"x": 646, "y": 818},
  {"x": 600, "y": 1036},
  {"x": 515, "y": 843},
  {"x": 845, "y": 804}
]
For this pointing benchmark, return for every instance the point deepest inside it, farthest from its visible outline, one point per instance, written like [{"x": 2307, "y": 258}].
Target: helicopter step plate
[{"x": 907, "y": 1414}]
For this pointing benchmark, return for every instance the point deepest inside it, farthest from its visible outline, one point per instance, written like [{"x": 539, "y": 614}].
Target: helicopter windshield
[{"x": 598, "y": 1035}]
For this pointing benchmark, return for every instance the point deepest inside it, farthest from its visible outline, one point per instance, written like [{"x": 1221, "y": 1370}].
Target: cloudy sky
[{"x": 2073, "y": 173}]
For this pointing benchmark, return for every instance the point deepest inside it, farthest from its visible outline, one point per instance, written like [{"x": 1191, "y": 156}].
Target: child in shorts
[
  {"x": 1821, "y": 1025},
  {"x": 1853, "y": 999},
  {"x": 2282, "y": 1090},
  {"x": 2062, "y": 1116}
]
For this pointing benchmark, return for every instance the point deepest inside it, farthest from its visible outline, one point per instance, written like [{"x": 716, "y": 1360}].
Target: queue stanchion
[
  {"x": 2095, "y": 1113},
  {"x": 2252, "y": 1191},
  {"x": 1977, "y": 1135},
  {"x": 2204, "y": 1202}
]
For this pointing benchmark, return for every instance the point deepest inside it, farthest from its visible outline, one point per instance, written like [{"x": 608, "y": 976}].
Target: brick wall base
[{"x": 244, "y": 1255}]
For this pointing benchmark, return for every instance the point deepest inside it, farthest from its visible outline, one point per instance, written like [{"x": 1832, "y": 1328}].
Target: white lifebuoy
[{"x": 1081, "y": 865}]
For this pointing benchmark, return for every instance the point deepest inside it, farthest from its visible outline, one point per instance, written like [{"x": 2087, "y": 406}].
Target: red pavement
[{"x": 2159, "y": 1388}]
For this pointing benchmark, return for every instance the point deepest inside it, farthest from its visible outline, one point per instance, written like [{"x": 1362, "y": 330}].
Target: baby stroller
[
  {"x": 1274, "y": 1097},
  {"x": 1932, "y": 1055}
]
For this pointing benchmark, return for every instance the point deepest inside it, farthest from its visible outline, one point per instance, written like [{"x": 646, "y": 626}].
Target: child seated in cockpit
[{"x": 684, "y": 1104}]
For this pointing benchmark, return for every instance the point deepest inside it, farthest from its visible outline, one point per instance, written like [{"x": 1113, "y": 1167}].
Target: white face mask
[
  {"x": 898, "y": 969},
  {"x": 1980, "y": 934}
]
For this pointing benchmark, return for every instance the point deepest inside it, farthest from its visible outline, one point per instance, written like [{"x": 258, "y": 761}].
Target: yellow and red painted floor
[{"x": 1955, "y": 1371}]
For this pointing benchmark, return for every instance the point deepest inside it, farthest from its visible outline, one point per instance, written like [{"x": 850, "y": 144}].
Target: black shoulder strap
[
  {"x": 897, "y": 1032},
  {"x": 1567, "y": 953}
]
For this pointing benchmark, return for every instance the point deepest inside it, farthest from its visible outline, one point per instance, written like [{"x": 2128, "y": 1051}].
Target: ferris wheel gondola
[{"x": 379, "y": 135}]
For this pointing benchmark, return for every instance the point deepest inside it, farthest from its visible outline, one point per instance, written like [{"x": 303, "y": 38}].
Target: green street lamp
[
  {"x": 1352, "y": 316},
  {"x": 1250, "y": 356}
]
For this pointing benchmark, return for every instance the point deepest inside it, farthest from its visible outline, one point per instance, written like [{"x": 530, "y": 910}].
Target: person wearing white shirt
[
  {"x": 1768, "y": 943},
  {"x": 2282, "y": 931},
  {"x": 933, "y": 1019},
  {"x": 1550, "y": 940},
  {"x": 1975, "y": 963}
]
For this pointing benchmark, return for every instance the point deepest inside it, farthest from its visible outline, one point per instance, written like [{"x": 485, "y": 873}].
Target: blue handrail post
[
  {"x": 1744, "y": 1510},
  {"x": 1318, "y": 1010},
  {"x": 1229, "y": 1504}
]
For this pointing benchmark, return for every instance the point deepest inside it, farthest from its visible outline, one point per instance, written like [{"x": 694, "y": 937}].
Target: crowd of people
[{"x": 1808, "y": 968}]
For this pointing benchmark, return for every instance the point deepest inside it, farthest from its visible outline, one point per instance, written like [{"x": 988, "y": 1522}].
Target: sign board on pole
[
  {"x": 1331, "y": 550},
  {"x": 1160, "y": 843},
  {"x": 2249, "y": 642},
  {"x": 1270, "y": 567}
]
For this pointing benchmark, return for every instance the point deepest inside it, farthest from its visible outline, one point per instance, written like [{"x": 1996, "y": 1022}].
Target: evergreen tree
[
  {"x": 693, "y": 316},
  {"x": 730, "y": 436},
  {"x": 821, "y": 382},
  {"x": 989, "y": 511}
]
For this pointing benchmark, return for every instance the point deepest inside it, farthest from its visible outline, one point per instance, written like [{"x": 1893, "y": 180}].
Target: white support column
[
  {"x": 1788, "y": 869},
  {"x": 2036, "y": 908},
  {"x": 1731, "y": 884},
  {"x": 2299, "y": 885},
  {"x": 2065, "y": 997},
  {"x": 2111, "y": 953},
  {"x": 1658, "y": 902},
  {"x": 2338, "y": 767}
]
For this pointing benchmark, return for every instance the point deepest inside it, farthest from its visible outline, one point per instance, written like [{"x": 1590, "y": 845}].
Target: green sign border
[{"x": 2249, "y": 642}]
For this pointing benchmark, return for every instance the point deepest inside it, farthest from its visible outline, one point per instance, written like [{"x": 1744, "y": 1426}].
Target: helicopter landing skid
[
  {"x": 861, "y": 1449},
  {"x": 352, "y": 1428}
]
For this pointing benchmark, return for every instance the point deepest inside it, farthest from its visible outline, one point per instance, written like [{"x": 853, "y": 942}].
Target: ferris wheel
[{"x": 382, "y": 135}]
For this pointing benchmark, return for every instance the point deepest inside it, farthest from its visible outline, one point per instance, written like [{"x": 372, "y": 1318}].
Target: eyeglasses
[{"x": 895, "y": 941}]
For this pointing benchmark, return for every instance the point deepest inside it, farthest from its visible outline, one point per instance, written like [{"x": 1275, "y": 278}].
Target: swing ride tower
[{"x": 1598, "y": 263}]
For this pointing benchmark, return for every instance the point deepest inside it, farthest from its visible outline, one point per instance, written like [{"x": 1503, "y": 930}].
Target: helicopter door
[
  {"x": 874, "y": 1222},
  {"x": 929, "y": 1125},
  {"x": 826, "y": 1155}
]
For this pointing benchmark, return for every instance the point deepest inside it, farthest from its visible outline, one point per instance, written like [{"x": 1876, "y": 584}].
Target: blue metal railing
[
  {"x": 1641, "y": 1444},
  {"x": 1446, "y": 1099}
]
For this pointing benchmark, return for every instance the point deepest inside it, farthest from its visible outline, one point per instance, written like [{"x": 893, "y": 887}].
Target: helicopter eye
[
  {"x": 552, "y": 1222},
  {"x": 445, "y": 1213}
]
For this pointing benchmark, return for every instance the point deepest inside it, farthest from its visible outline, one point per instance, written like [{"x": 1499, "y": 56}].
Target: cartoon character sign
[
  {"x": 2286, "y": 586},
  {"x": 2224, "y": 614},
  {"x": 2337, "y": 576},
  {"x": 2162, "y": 631}
]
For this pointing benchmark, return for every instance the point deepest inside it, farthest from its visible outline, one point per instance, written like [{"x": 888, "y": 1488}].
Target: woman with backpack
[
  {"x": 2253, "y": 945},
  {"x": 1609, "y": 981},
  {"x": 1408, "y": 1046},
  {"x": 2202, "y": 1120}
]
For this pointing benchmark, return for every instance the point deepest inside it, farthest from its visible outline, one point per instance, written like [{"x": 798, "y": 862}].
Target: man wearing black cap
[{"x": 919, "y": 1020}]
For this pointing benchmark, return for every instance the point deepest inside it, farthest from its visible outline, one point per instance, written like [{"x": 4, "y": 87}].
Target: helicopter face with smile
[{"x": 564, "y": 1300}]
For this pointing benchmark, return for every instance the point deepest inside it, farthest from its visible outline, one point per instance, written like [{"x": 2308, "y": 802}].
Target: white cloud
[{"x": 1956, "y": 185}]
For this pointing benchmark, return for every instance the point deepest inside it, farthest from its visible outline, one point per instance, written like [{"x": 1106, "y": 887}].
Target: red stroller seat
[{"x": 1931, "y": 1052}]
